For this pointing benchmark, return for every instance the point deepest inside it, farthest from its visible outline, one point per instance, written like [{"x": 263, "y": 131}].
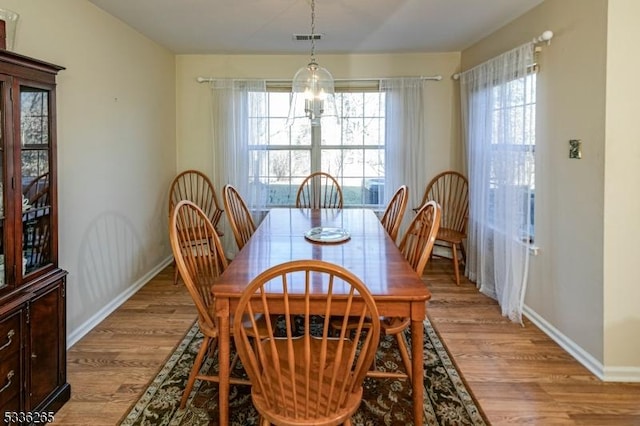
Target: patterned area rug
[{"x": 386, "y": 401}]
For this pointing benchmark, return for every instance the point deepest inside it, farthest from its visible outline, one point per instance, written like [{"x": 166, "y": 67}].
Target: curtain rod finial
[{"x": 544, "y": 37}]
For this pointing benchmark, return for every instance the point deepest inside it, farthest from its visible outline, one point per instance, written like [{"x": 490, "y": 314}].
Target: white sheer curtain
[
  {"x": 405, "y": 141},
  {"x": 498, "y": 112},
  {"x": 238, "y": 120}
]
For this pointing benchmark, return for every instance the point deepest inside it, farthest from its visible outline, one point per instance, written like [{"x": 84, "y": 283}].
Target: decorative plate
[{"x": 321, "y": 234}]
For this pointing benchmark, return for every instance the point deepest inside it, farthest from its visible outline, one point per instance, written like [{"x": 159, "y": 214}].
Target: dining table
[{"x": 357, "y": 241}]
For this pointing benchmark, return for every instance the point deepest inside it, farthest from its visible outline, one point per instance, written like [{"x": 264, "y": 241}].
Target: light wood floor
[
  {"x": 111, "y": 366},
  {"x": 518, "y": 374}
]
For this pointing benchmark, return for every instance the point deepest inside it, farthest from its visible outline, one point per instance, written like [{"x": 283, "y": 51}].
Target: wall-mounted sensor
[{"x": 575, "y": 148}]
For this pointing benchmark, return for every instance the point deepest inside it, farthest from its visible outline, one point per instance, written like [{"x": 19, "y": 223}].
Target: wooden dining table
[{"x": 369, "y": 253}]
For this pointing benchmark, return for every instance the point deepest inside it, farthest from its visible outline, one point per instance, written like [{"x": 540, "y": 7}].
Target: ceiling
[{"x": 347, "y": 26}]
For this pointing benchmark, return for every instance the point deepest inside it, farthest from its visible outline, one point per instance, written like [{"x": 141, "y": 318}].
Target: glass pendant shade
[{"x": 313, "y": 94}]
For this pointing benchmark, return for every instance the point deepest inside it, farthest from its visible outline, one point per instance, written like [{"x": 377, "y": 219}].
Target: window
[
  {"x": 351, "y": 149},
  {"x": 512, "y": 154}
]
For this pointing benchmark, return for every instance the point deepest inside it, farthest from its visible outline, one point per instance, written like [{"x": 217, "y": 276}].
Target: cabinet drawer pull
[
  {"x": 10, "y": 334},
  {"x": 9, "y": 377}
]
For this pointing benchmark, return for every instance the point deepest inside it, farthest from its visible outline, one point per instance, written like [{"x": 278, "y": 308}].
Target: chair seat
[
  {"x": 316, "y": 381},
  {"x": 450, "y": 236},
  {"x": 206, "y": 329},
  {"x": 394, "y": 325},
  {"x": 389, "y": 325},
  {"x": 211, "y": 334},
  {"x": 261, "y": 322}
]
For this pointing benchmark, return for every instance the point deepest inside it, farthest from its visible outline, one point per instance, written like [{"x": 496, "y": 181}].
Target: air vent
[{"x": 306, "y": 37}]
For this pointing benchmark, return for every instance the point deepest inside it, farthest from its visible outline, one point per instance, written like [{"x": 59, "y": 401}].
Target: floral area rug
[{"x": 385, "y": 402}]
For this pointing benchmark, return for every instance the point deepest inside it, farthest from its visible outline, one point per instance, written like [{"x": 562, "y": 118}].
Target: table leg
[
  {"x": 224, "y": 364},
  {"x": 417, "y": 330}
]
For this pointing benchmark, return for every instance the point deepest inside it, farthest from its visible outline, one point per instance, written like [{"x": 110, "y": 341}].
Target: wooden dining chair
[
  {"x": 393, "y": 214},
  {"x": 37, "y": 191},
  {"x": 196, "y": 187},
  {"x": 238, "y": 214},
  {"x": 450, "y": 189},
  {"x": 200, "y": 259},
  {"x": 416, "y": 246},
  {"x": 303, "y": 375},
  {"x": 36, "y": 240},
  {"x": 319, "y": 190}
]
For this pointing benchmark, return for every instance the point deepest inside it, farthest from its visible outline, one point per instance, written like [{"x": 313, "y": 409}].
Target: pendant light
[{"x": 313, "y": 92}]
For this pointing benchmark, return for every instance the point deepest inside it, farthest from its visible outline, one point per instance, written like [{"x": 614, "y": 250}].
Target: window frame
[
  {"x": 317, "y": 146},
  {"x": 529, "y": 102}
]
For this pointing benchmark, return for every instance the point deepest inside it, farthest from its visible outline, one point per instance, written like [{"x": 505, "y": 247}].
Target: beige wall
[
  {"x": 566, "y": 278},
  {"x": 130, "y": 115},
  {"x": 116, "y": 154},
  {"x": 622, "y": 196},
  {"x": 581, "y": 286},
  {"x": 194, "y": 123}
]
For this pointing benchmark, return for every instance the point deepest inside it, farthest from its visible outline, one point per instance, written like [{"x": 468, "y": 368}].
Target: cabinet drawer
[
  {"x": 10, "y": 328},
  {"x": 9, "y": 378}
]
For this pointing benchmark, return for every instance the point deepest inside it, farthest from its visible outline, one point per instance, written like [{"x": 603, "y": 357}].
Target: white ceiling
[{"x": 347, "y": 26}]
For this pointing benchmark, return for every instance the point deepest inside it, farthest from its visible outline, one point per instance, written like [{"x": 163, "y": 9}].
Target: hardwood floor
[{"x": 518, "y": 375}]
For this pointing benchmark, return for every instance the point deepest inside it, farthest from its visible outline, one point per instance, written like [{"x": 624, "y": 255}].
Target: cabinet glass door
[{"x": 35, "y": 158}]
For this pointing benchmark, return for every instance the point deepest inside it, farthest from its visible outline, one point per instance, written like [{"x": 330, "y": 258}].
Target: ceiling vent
[{"x": 306, "y": 37}]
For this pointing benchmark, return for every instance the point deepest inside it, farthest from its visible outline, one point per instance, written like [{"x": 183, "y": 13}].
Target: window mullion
[{"x": 316, "y": 142}]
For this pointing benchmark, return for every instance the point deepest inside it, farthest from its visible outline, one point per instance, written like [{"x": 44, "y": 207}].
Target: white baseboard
[
  {"x": 607, "y": 374},
  {"x": 96, "y": 319},
  {"x": 583, "y": 357},
  {"x": 622, "y": 374}
]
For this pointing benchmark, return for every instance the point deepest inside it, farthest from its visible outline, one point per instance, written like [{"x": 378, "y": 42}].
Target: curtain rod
[
  {"x": 210, "y": 79},
  {"x": 545, "y": 37}
]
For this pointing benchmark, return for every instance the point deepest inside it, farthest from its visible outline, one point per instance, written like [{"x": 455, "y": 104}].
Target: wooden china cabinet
[{"x": 33, "y": 379}]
